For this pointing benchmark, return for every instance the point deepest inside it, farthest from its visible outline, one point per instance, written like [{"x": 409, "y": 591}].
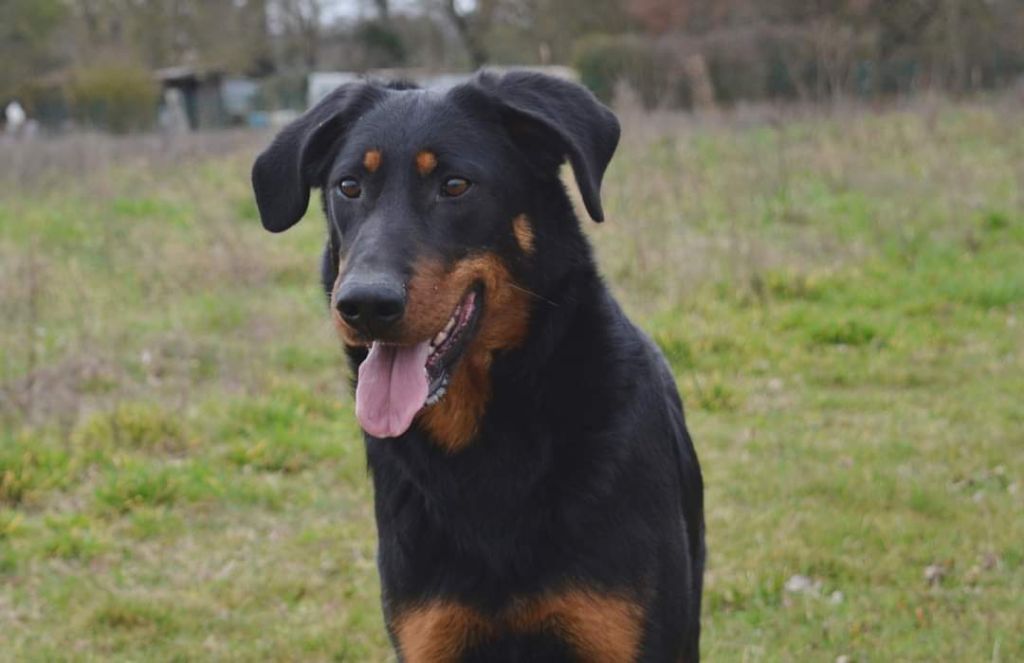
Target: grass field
[{"x": 841, "y": 297}]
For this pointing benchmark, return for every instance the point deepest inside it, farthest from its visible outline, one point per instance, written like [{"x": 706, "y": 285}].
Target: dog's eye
[
  {"x": 455, "y": 187},
  {"x": 350, "y": 188}
]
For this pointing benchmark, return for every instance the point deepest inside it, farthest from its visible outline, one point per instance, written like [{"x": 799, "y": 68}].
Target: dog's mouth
[
  {"x": 397, "y": 381},
  {"x": 449, "y": 344}
]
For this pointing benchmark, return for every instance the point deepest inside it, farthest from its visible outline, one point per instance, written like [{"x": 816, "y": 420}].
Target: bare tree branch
[{"x": 470, "y": 31}]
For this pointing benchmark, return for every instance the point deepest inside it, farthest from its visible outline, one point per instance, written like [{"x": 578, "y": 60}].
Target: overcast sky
[{"x": 336, "y": 9}]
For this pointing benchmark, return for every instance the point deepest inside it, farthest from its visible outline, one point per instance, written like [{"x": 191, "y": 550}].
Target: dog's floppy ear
[
  {"x": 571, "y": 120},
  {"x": 294, "y": 163}
]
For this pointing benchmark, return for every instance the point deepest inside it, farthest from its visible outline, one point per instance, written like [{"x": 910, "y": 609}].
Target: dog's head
[{"x": 436, "y": 205}]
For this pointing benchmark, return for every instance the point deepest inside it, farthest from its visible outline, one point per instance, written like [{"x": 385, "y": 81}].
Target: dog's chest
[{"x": 571, "y": 624}]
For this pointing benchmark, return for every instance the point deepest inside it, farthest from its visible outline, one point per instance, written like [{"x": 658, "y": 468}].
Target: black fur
[{"x": 582, "y": 473}]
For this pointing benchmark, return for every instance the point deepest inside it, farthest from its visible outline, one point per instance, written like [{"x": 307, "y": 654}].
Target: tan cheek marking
[
  {"x": 432, "y": 296},
  {"x": 347, "y": 334},
  {"x": 426, "y": 162},
  {"x": 371, "y": 160},
  {"x": 337, "y": 279},
  {"x": 434, "y": 291},
  {"x": 452, "y": 423},
  {"x": 524, "y": 233}
]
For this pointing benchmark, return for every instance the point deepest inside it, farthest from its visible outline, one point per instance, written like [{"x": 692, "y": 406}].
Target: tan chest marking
[{"x": 601, "y": 628}]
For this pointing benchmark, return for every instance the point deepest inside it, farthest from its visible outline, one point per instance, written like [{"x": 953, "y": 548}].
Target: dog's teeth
[
  {"x": 440, "y": 338},
  {"x": 437, "y": 395},
  {"x": 451, "y": 325}
]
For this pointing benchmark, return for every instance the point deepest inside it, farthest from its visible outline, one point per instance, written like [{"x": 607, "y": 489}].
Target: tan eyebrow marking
[
  {"x": 523, "y": 231},
  {"x": 371, "y": 160},
  {"x": 426, "y": 162}
]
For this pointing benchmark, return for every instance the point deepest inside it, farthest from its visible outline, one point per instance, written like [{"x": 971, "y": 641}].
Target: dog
[{"x": 536, "y": 491}]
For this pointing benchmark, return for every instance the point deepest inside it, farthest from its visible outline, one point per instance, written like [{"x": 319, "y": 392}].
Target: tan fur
[
  {"x": 371, "y": 160},
  {"x": 601, "y": 628},
  {"x": 426, "y": 162},
  {"x": 433, "y": 294},
  {"x": 503, "y": 325},
  {"x": 523, "y": 231},
  {"x": 439, "y": 632},
  {"x": 348, "y": 335}
]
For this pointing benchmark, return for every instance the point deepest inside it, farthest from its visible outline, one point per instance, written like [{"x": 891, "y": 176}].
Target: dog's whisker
[{"x": 533, "y": 294}]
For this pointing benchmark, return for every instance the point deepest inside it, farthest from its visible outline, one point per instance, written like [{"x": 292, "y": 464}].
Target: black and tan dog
[{"x": 537, "y": 494}]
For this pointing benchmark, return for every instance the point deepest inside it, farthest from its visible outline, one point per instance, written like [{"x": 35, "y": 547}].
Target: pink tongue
[{"x": 392, "y": 388}]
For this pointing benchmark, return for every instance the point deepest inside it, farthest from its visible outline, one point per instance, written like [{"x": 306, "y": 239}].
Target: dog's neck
[{"x": 556, "y": 310}]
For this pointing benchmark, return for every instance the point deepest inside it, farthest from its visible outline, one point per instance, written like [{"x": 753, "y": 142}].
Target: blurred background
[
  {"x": 817, "y": 211},
  {"x": 111, "y": 64}
]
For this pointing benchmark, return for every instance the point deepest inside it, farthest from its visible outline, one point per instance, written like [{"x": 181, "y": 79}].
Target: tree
[
  {"x": 227, "y": 34},
  {"x": 301, "y": 23},
  {"x": 528, "y": 30},
  {"x": 27, "y": 28},
  {"x": 471, "y": 26},
  {"x": 694, "y": 16},
  {"x": 556, "y": 25},
  {"x": 660, "y": 16}
]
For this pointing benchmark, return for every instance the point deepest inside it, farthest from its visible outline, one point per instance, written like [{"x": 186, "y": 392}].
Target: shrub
[
  {"x": 649, "y": 69},
  {"x": 116, "y": 98},
  {"x": 725, "y": 66},
  {"x": 383, "y": 47},
  {"x": 44, "y": 101}
]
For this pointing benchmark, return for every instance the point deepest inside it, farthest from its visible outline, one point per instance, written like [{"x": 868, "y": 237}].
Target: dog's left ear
[
  {"x": 295, "y": 162},
  {"x": 571, "y": 119}
]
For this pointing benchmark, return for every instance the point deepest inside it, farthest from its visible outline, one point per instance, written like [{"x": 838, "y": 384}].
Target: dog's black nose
[{"x": 371, "y": 305}]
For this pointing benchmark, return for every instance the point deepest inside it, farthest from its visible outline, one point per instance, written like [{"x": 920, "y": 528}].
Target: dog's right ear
[
  {"x": 297, "y": 160},
  {"x": 561, "y": 119}
]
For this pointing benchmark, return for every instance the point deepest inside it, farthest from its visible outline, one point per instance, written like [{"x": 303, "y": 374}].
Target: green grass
[{"x": 841, "y": 298}]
